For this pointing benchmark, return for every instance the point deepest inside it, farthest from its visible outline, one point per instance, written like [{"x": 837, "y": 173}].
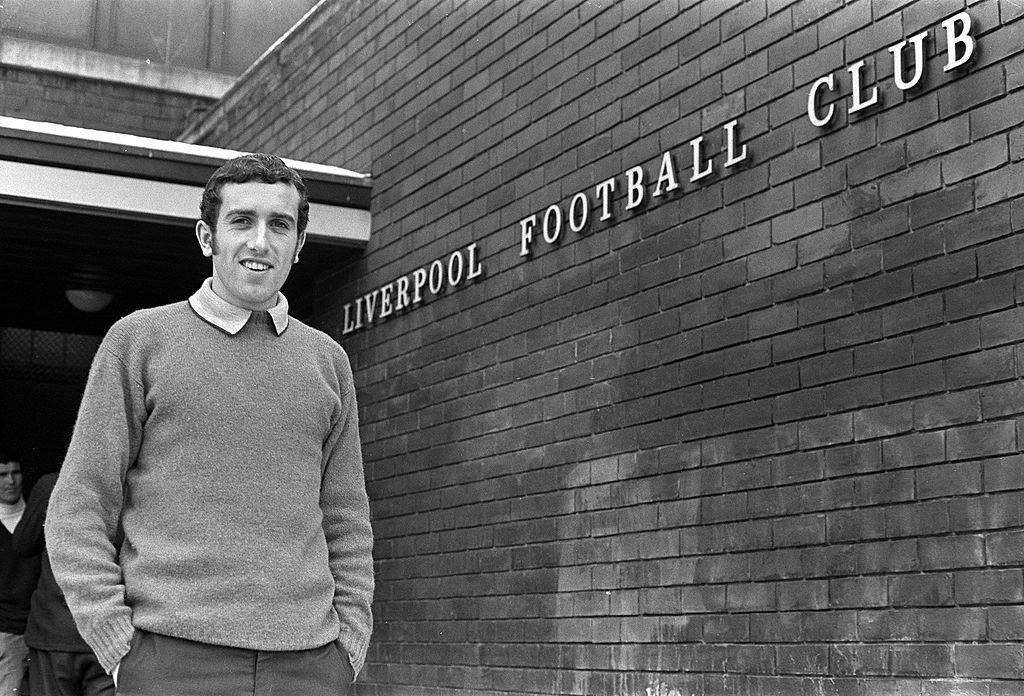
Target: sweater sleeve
[
  {"x": 346, "y": 512},
  {"x": 82, "y": 520},
  {"x": 27, "y": 539}
]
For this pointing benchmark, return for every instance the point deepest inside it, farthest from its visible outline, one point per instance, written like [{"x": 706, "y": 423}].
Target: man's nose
[{"x": 258, "y": 238}]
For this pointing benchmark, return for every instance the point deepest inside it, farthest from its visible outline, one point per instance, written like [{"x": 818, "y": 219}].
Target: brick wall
[
  {"x": 760, "y": 435},
  {"x": 87, "y": 103}
]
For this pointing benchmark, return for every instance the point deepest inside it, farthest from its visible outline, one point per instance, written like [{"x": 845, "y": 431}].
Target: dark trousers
[
  {"x": 58, "y": 673},
  {"x": 159, "y": 665}
]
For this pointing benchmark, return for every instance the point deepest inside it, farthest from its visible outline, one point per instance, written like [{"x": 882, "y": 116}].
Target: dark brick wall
[
  {"x": 760, "y": 435},
  {"x": 87, "y": 103}
]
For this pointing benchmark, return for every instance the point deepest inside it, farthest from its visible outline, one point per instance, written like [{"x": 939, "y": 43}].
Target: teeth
[{"x": 256, "y": 266}]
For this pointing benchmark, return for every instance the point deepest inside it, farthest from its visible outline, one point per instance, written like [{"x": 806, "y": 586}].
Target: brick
[
  {"x": 888, "y": 222},
  {"x": 883, "y": 289},
  {"x": 985, "y": 513},
  {"x": 855, "y": 393},
  {"x": 928, "y": 660},
  {"x": 940, "y": 137},
  {"x": 979, "y": 157},
  {"x": 883, "y": 421},
  {"x": 943, "y": 341},
  {"x": 1000, "y": 185},
  {"x": 979, "y": 368},
  {"x": 1004, "y": 473},
  {"x": 771, "y": 261},
  {"x": 851, "y": 266},
  {"x": 824, "y": 306},
  {"x": 802, "y": 659},
  {"x": 989, "y": 587},
  {"x": 947, "y": 409},
  {"x": 917, "y": 380},
  {"x": 859, "y": 660},
  {"x": 914, "y": 246},
  {"x": 940, "y": 553},
  {"x": 990, "y": 661},
  {"x": 953, "y": 625},
  {"x": 982, "y": 297},
  {"x": 945, "y": 271},
  {"x": 852, "y": 203},
  {"x": 801, "y": 343},
  {"x": 914, "y": 449},
  {"x": 1000, "y": 256},
  {"x": 932, "y": 590},
  {"x": 909, "y": 183},
  {"x": 861, "y": 592},
  {"x": 882, "y": 355},
  {"x": 1005, "y": 548},
  {"x": 1006, "y": 623},
  {"x": 888, "y": 625},
  {"x": 798, "y": 282},
  {"x": 1002, "y": 327},
  {"x": 855, "y": 525},
  {"x": 802, "y": 595},
  {"x": 797, "y": 223},
  {"x": 950, "y": 201},
  {"x": 986, "y": 439}
]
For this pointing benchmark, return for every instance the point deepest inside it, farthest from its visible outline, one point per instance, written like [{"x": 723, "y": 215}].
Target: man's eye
[{"x": 240, "y": 221}]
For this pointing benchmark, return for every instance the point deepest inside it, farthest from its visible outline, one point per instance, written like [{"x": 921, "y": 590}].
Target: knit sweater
[
  {"x": 50, "y": 626},
  {"x": 213, "y": 490}
]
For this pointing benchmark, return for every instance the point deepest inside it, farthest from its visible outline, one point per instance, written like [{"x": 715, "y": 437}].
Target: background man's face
[
  {"x": 10, "y": 482},
  {"x": 256, "y": 242}
]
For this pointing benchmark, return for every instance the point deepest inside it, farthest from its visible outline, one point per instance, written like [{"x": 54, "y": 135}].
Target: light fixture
[{"x": 89, "y": 289}]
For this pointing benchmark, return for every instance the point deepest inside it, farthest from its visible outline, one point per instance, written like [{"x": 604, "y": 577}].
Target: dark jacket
[{"x": 18, "y": 577}]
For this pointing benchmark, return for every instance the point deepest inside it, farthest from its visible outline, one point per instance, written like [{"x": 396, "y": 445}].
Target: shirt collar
[{"x": 224, "y": 315}]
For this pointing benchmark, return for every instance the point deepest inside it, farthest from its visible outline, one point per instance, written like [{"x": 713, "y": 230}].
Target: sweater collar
[{"x": 226, "y": 316}]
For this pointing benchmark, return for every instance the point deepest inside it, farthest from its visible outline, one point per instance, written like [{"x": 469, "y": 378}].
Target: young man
[
  {"x": 210, "y": 526},
  {"x": 18, "y": 577}
]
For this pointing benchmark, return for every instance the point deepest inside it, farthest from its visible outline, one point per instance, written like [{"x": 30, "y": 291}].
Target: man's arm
[
  {"x": 346, "y": 523},
  {"x": 85, "y": 508},
  {"x": 27, "y": 539}
]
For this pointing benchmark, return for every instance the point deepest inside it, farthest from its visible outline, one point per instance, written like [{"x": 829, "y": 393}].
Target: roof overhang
[{"x": 48, "y": 165}]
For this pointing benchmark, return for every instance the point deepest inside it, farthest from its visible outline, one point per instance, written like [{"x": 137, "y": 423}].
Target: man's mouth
[{"x": 258, "y": 266}]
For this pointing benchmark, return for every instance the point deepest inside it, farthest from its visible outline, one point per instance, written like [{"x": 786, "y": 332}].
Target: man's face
[
  {"x": 10, "y": 482},
  {"x": 257, "y": 240}
]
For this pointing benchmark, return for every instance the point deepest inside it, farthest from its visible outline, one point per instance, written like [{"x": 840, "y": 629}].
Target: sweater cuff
[
  {"x": 355, "y": 649},
  {"x": 111, "y": 641}
]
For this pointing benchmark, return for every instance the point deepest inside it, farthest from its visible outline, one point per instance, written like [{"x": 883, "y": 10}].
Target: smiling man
[{"x": 210, "y": 526}]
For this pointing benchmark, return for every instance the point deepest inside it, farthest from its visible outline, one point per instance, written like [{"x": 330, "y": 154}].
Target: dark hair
[
  {"x": 8, "y": 455},
  {"x": 258, "y": 166}
]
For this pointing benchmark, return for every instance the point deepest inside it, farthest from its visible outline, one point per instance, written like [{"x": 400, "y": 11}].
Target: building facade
[{"x": 688, "y": 337}]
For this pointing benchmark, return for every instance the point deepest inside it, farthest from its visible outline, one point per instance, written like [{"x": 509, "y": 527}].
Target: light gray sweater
[{"x": 233, "y": 465}]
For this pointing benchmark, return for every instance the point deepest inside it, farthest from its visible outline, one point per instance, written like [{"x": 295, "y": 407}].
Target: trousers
[
  {"x": 159, "y": 665},
  {"x": 12, "y": 663},
  {"x": 59, "y": 673}
]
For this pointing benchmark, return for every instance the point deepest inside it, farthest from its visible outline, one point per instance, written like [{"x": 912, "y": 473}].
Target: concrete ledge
[{"x": 106, "y": 67}]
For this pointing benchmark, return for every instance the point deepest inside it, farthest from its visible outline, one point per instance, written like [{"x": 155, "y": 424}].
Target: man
[
  {"x": 18, "y": 577},
  {"x": 210, "y": 526},
  {"x": 59, "y": 661}
]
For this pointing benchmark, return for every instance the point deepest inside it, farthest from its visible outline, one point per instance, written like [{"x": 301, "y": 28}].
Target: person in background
[
  {"x": 18, "y": 577},
  {"x": 60, "y": 663},
  {"x": 221, "y": 436}
]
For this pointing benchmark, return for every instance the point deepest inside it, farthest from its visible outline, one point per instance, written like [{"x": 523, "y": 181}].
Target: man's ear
[
  {"x": 301, "y": 243},
  {"x": 205, "y": 236}
]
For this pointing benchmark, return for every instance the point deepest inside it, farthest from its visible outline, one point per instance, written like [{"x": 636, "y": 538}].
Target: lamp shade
[{"x": 89, "y": 289}]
